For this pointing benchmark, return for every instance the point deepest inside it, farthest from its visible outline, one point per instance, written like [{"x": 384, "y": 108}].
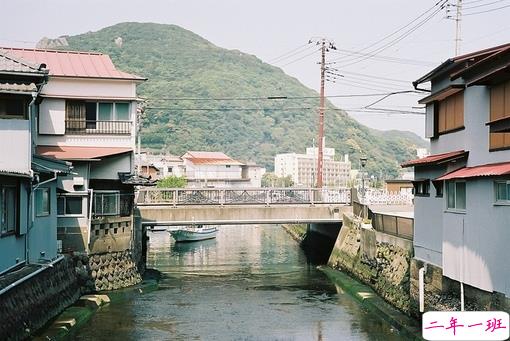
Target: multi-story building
[
  {"x": 159, "y": 166},
  {"x": 87, "y": 117},
  {"x": 215, "y": 169},
  {"x": 303, "y": 168},
  {"x": 28, "y": 195},
  {"x": 462, "y": 190}
]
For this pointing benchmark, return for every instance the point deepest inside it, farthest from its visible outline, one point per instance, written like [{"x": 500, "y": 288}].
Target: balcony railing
[{"x": 83, "y": 127}]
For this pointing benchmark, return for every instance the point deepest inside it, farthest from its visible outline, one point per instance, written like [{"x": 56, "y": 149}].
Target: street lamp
[{"x": 363, "y": 161}]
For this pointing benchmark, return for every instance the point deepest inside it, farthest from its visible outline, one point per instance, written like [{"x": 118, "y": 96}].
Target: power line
[
  {"x": 291, "y": 53},
  {"x": 279, "y": 97},
  {"x": 301, "y": 58},
  {"x": 487, "y": 11},
  {"x": 483, "y": 5},
  {"x": 394, "y": 41}
]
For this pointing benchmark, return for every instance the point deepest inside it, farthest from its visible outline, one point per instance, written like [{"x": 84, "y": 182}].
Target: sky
[{"x": 368, "y": 59}]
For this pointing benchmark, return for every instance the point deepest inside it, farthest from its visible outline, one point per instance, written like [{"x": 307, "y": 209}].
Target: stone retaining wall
[
  {"x": 114, "y": 270},
  {"x": 30, "y": 305},
  {"x": 383, "y": 266}
]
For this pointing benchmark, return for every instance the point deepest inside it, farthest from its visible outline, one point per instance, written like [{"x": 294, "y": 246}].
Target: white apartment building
[{"x": 303, "y": 167}]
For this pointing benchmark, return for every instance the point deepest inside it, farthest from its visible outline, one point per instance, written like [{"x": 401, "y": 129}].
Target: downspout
[
  {"x": 91, "y": 196},
  {"x": 421, "y": 287},
  {"x": 29, "y": 188}
]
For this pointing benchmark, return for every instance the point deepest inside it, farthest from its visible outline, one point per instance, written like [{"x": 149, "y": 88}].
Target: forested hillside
[{"x": 185, "y": 72}]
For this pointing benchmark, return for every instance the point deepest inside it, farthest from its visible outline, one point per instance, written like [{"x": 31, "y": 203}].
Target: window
[
  {"x": 456, "y": 195},
  {"x": 438, "y": 185},
  {"x": 105, "y": 112},
  {"x": 13, "y": 107},
  {"x": 169, "y": 169},
  {"x": 500, "y": 109},
  {"x": 8, "y": 209},
  {"x": 42, "y": 202},
  {"x": 122, "y": 111},
  {"x": 106, "y": 203},
  {"x": 69, "y": 205},
  {"x": 450, "y": 113},
  {"x": 421, "y": 187},
  {"x": 502, "y": 191}
]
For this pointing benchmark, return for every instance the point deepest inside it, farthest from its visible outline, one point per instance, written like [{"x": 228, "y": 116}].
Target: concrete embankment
[
  {"x": 376, "y": 259},
  {"x": 296, "y": 231},
  {"x": 74, "y": 317}
]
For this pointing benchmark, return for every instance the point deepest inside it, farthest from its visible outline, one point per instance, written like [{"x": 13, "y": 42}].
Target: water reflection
[{"x": 250, "y": 283}]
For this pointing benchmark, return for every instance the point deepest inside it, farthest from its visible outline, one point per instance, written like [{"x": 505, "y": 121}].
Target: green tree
[
  {"x": 172, "y": 182},
  {"x": 272, "y": 180}
]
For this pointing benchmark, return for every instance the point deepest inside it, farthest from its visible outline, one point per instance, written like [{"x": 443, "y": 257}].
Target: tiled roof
[
  {"x": 10, "y": 63},
  {"x": 73, "y": 63},
  {"x": 17, "y": 88},
  {"x": 79, "y": 153},
  {"x": 493, "y": 169},
  {"x": 436, "y": 159}
]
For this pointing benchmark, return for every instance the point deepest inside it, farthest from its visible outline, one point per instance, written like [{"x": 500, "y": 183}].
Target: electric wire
[{"x": 486, "y": 11}]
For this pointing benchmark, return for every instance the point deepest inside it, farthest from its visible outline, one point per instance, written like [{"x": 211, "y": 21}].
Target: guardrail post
[
  {"x": 310, "y": 196},
  {"x": 222, "y": 197},
  {"x": 396, "y": 225},
  {"x": 268, "y": 197},
  {"x": 175, "y": 197}
]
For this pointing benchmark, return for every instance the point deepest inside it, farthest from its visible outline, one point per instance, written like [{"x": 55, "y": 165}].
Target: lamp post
[{"x": 363, "y": 162}]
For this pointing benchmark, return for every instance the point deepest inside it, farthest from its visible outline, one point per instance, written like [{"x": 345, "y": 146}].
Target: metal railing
[
  {"x": 383, "y": 197},
  {"x": 263, "y": 196},
  {"x": 83, "y": 127}
]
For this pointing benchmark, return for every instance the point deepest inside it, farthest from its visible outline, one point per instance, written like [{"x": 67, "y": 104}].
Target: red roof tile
[
  {"x": 79, "y": 153},
  {"x": 436, "y": 159},
  {"x": 493, "y": 169},
  {"x": 72, "y": 63}
]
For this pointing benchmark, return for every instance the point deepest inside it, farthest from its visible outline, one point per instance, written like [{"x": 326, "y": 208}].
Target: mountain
[{"x": 180, "y": 64}]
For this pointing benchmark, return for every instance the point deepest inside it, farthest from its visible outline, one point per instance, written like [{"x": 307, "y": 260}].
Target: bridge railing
[{"x": 227, "y": 196}]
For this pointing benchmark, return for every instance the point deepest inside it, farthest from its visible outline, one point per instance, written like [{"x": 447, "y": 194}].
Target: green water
[{"x": 250, "y": 283}]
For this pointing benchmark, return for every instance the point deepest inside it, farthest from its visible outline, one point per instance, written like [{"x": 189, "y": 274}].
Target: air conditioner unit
[{"x": 78, "y": 181}]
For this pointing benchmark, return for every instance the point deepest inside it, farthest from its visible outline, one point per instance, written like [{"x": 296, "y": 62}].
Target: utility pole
[
  {"x": 458, "y": 18},
  {"x": 324, "y": 47},
  {"x": 320, "y": 157}
]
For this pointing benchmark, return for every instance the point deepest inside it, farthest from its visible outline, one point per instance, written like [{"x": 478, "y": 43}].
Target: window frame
[
  {"x": 421, "y": 188},
  {"x": 23, "y": 115},
  {"x": 42, "y": 190},
  {"x": 439, "y": 187},
  {"x": 447, "y": 196},
  {"x": 102, "y": 192},
  {"x": 66, "y": 215},
  {"x": 15, "y": 229},
  {"x": 499, "y": 202}
]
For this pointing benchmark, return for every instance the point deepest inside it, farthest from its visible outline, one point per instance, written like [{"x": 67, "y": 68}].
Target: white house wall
[
  {"x": 15, "y": 144},
  {"x": 428, "y": 228},
  {"x": 52, "y": 115},
  {"x": 90, "y": 88},
  {"x": 477, "y": 251}
]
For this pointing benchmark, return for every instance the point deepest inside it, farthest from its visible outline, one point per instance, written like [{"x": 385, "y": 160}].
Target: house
[
  {"x": 28, "y": 198},
  {"x": 462, "y": 190},
  {"x": 160, "y": 166},
  {"x": 302, "y": 168},
  {"x": 399, "y": 186},
  {"x": 87, "y": 116},
  {"x": 213, "y": 169}
]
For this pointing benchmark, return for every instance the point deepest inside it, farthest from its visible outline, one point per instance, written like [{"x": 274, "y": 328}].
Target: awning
[
  {"x": 80, "y": 153},
  {"x": 493, "y": 169},
  {"x": 442, "y": 94},
  {"x": 436, "y": 159},
  {"x": 44, "y": 164}
]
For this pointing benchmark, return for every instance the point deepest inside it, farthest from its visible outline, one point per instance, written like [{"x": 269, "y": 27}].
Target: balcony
[{"x": 83, "y": 127}]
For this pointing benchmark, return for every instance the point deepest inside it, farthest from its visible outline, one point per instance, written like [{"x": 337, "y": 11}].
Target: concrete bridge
[{"x": 173, "y": 207}]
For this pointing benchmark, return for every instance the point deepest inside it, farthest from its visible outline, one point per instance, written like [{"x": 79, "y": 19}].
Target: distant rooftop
[
  {"x": 72, "y": 63},
  {"x": 217, "y": 158}
]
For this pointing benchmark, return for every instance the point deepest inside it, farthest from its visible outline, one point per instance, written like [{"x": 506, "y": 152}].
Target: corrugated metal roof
[
  {"x": 73, "y": 63},
  {"x": 79, "y": 153},
  {"x": 210, "y": 158},
  {"x": 436, "y": 159},
  {"x": 493, "y": 169}
]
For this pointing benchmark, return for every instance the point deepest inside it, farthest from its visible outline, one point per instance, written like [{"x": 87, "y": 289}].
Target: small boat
[{"x": 193, "y": 233}]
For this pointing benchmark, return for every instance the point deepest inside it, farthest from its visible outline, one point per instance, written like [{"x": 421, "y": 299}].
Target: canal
[{"x": 250, "y": 283}]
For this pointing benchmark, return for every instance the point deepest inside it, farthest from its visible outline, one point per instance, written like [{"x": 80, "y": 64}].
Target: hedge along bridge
[{"x": 176, "y": 206}]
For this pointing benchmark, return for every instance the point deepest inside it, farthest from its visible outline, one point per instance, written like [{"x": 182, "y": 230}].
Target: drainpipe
[
  {"x": 29, "y": 188},
  {"x": 91, "y": 196},
  {"x": 462, "y": 271},
  {"x": 421, "y": 287}
]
